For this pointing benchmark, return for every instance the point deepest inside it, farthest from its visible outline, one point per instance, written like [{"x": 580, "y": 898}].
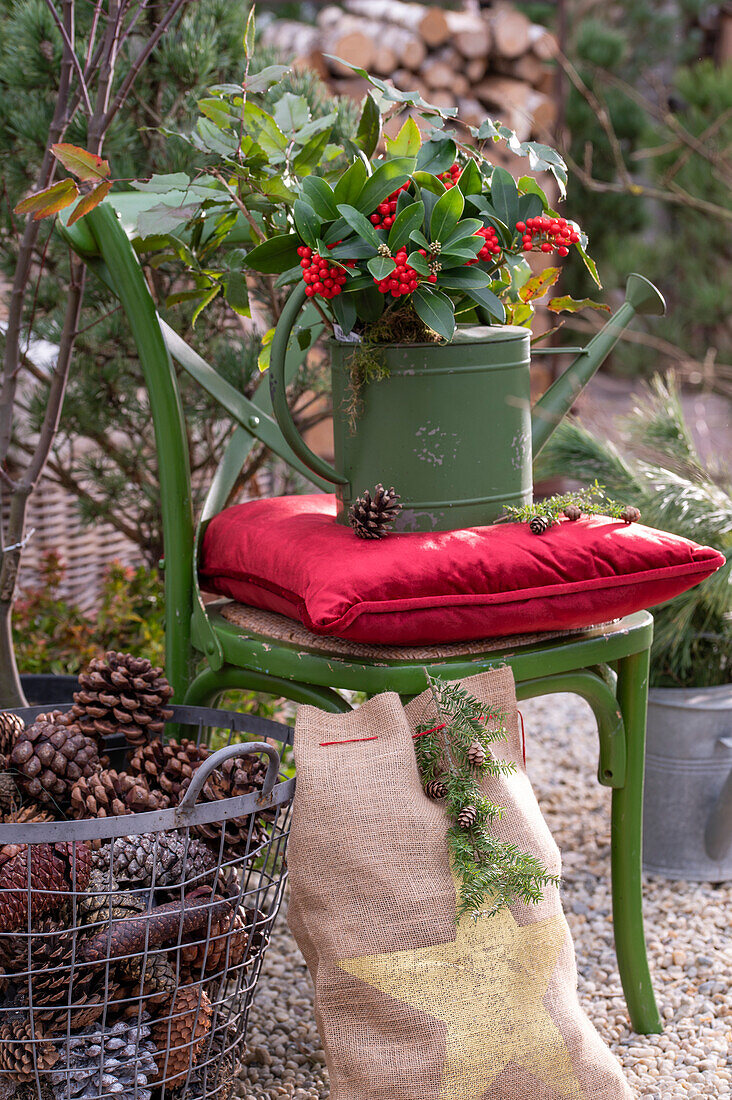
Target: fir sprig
[
  {"x": 493, "y": 874},
  {"x": 591, "y": 500}
]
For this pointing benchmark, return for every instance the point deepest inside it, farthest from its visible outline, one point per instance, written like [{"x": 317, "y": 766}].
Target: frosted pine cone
[
  {"x": 120, "y": 1060},
  {"x": 122, "y": 693},
  {"x": 371, "y": 515}
]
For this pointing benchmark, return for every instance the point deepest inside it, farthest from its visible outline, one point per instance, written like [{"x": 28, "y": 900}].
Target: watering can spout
[{"x": 641, "y": 296}]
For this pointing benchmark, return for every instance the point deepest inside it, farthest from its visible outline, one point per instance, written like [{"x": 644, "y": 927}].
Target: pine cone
[
  {"x": 630, "y": 514},
  {"x": 112, "y": 794},
  {"x": 573, "y": 512},
  {"x": 540, "y": 524},
  {"x": 203, "y": 960},
  {"x": 435, "y": 789},
  {"x": 51, "y": 756},
  {"x": 157, "y": 982},
  {"x": 371, "y": 516},
  {"x": 119, "y": 1060},
  {"x": 180, "y": 1037},
  {"x": 238, "y": 776},
  {"x": 120, "y": 692},
  {"x": 54, "y": 868},
  {"x": 25, "y": 815},
  {"x": 10, "y": 726},
  {"x": 476, "y": 755},
  {"x": 10, "y": 795},
  {"x": 467, "y": 817},
  {"x": 173, "y": 859},
  {"x": 19, "y": 1053},
  {"x": 168, "y": 764},
  {"x": 102, "y": 903}
]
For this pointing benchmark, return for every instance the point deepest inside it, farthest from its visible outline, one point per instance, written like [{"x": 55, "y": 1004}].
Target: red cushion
[{"x": 289, "y": 555}]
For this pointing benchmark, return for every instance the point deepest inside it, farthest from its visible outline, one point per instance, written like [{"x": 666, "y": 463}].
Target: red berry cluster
[
  {"x": 384, "y": 214},
  {"x": 554, "y": 233},
  {"x": 451, "y": 176},
  {"x": 403, "y": 279},
  {"x": 491, "y": 247},
  {"x": 320, "y": 276}
]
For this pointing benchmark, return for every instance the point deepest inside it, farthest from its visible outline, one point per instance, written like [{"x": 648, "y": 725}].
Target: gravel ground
[{"x": 687, "y": 929}]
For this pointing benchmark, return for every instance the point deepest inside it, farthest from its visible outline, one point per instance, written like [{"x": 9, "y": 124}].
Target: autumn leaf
[
  {"x": 85, "y": 166},
  {"x": 568, "y": 304},
  {"x": 50, "y": 200},
  {"x": 89, "y": 201},
  {"x": 538, "y": 286}
]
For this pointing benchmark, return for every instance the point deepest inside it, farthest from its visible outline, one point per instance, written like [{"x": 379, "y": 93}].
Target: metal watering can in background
[{"x": 451, "y": 427}]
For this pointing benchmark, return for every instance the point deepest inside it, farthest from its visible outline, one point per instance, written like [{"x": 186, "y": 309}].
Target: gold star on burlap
[{"x": 487, "y": 986}]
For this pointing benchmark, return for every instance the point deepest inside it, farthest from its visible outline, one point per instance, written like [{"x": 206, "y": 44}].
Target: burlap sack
[{"x": 409, "y": 1006}]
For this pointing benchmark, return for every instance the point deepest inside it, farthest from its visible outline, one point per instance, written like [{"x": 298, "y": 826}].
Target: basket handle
[{"x": 211, "y": 763}]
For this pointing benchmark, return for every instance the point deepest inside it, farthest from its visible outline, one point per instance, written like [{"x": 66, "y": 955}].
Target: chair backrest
[{"x": 101, "y": 241}]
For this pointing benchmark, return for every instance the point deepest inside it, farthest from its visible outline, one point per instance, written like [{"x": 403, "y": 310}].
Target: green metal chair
[{"x": 208, "y": 653}]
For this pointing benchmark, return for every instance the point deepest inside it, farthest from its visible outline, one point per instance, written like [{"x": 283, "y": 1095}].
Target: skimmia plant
[{"x": 393, "y": 237}]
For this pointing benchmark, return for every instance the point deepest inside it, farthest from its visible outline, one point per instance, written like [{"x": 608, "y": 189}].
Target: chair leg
[
  {"x": 209, "y": 684},
  {"x": 626, "y": 850}
]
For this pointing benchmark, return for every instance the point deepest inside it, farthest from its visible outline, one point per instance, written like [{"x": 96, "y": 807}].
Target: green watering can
[{"x": 451, "y": 427}]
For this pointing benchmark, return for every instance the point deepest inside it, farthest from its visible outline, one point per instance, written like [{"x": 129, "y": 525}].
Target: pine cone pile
[
  {"x": 50, "y": 756},
  {"x": 180, "y": 1037},
  {"x": 119, "y": 692},
  {"x": 372, "y": 514},
  {"x": 168, "y": 765},
  {"x": 109, "y": 793},
  {"x": 237, "y": 776},
  {"x": 10, "y": 727},
  {"x": 54, "y": 869},
  {"x": 121, "y": 1060},
  {"x": 23, "y": 1047}
]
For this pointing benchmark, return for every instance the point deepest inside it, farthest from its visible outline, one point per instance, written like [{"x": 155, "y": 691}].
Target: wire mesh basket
[{"x": 131, "y": 946}]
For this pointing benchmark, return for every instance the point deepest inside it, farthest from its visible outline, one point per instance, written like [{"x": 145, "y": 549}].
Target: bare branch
[{"x": 68, "y": 42}]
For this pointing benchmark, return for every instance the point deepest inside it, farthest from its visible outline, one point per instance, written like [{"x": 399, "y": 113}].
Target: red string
[
  {"x": 523, "y": 737},
  {"x": 349, "y": 741},
  {"x": 435, "y": 729}
]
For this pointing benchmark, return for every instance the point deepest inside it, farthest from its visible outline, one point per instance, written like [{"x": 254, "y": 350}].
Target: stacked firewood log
[{"x": 493, "y": 61}]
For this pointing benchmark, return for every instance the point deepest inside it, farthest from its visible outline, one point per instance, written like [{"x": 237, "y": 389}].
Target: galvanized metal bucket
[
  {"x": 687, "y": 805},
  {"x": 211, "y": 928}
]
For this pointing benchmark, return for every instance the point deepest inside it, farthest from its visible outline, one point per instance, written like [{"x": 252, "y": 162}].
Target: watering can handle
[{"x": 278, "y": 390}]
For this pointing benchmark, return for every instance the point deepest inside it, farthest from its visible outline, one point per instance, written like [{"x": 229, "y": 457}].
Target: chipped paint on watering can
[{"x": 449, "y": 428}]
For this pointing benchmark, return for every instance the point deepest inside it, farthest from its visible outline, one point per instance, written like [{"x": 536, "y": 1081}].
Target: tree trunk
[{"x": 11, "y": 693}]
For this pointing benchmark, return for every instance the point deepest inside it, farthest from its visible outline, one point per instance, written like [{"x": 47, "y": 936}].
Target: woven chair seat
[{"x": 280, "y": 629}]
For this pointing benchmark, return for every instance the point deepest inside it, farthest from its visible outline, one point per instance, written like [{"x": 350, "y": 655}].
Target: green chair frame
[{"x": 207, "y": 655}]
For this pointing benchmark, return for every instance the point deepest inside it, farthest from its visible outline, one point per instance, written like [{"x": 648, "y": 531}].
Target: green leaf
[
  {"x": 484, "y": 297},
  {"x": 409, "y": 219},
  {"x": 470, "y": 180},
  {"x": 386, "y": 178},
  {"x": 359, "y": 282},
  {"x": 369, "y": 126},
  {"x": 219, "y": 112},
  {"x": 359, "y": 224},
  {"x": 381, "y": 266},
  {"x": 463, "y": 278},
  {"x": 310, "y": 155},
  {"x": 89, "y": 201},
  {"x": 539, "y": 284},
  {"x": 350, "y": 185},
  {"x": 261, "y": 81},
  {"x": 85, "y": 166},
  {"x": 369, "y": 303},
  {"x": 418, "y": 262},
  {"x": 568, "y": 304},
  {"x": 236, "y": 293},
  {"x": 316, "y": 126},
  {"x": 207, "y": 298},
  {"x": 436, "y": 310},
  {"x": 160, "y": 185},
  {"x": 275, "y": 255},
  {"x": 249, "y": 34},
  {"x": 529, "y": 186},
  {"x": 465, "y": 228},
  {"x": 419, "y": 238},
  {"x": 354, "y": 249},
  {"x": 437, "y": 156},
  {"x": 504, "y": 197},
  {"x": 344, "y": 311},
  {"x": 307, "y": 222},
  {"x": 292, "y": 275},
  {"x": 446, "y": 214},
  {"x": 321, "y": 198},
  {"x": 529, "y": 206},
  {"x": 264, "y": 354},
  {"x": 291, "y": 112},
  {"x": 407, "y": 142},
  {"x": 50, "y": 200},
  {"x": 589, "y": 264},
  {"x": 428, "y": 182}
]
